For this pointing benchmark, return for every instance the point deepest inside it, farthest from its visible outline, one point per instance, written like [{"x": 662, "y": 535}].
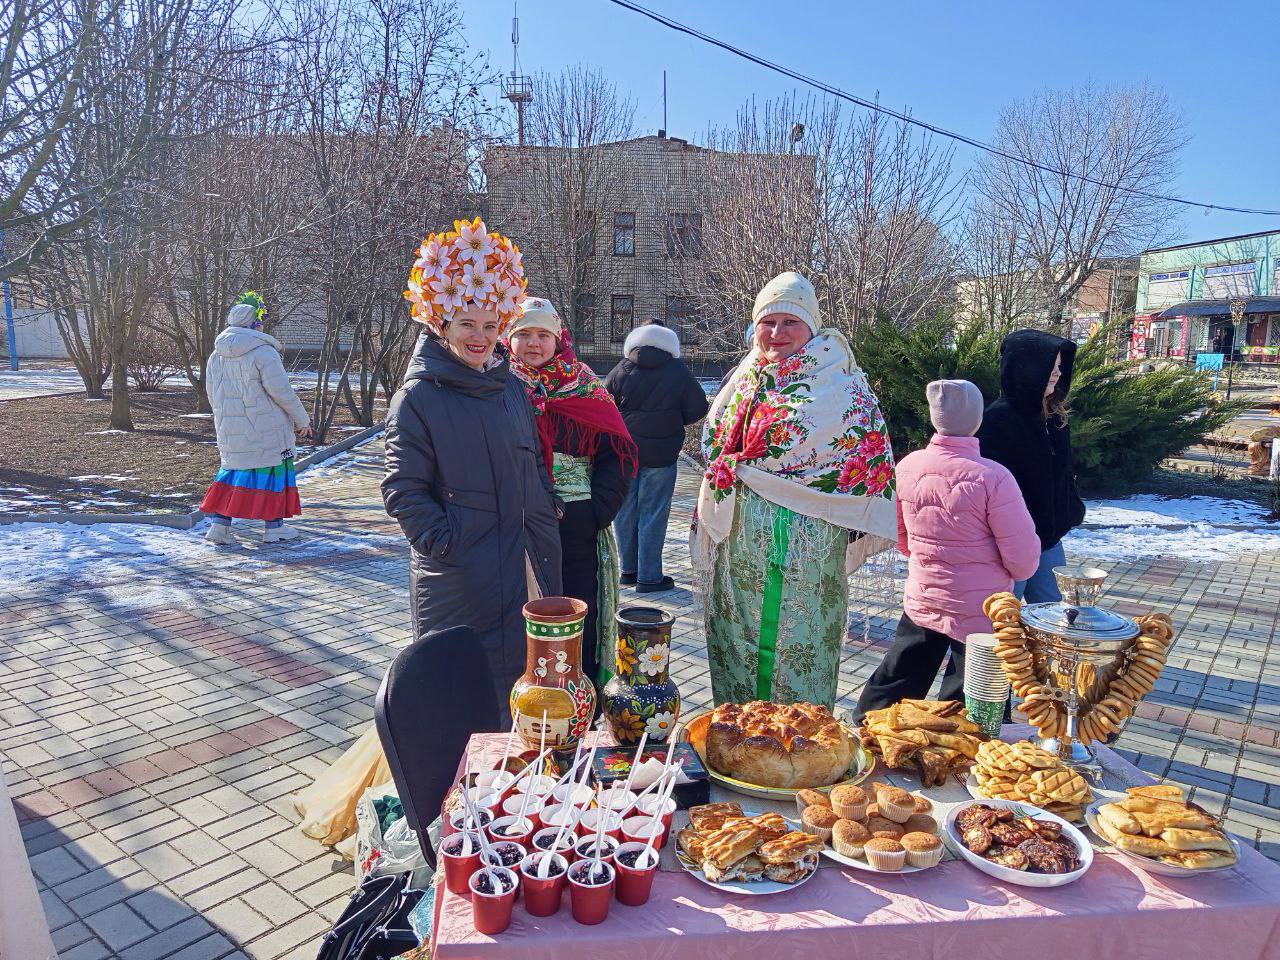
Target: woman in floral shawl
[
  {"x": 798, "y": 493},
  {"x": 592, "y": 459}
]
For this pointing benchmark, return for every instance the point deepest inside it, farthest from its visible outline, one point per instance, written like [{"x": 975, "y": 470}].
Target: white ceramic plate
[
  {"x": 754, "y": 888},
  {"x": 1151, "y": 864},
  {"x": 1024, "y": 878},
  {"x": 860, "y": 864}
]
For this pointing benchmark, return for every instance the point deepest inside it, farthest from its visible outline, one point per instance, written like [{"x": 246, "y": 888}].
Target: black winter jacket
[
  {"x": 466, "y": 482},
  {"x": 658, "y": 397},
  {"x": 1035, "y": 450}
]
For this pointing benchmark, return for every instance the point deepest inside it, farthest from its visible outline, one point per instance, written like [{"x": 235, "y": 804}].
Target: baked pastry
[
  {"x": 790, "y": 848},
  {"x": 692, "y": 843},
  {"x": 884, "y": 829},
  {"x": 920, "y": 823},
  {"x": 923, "y": 803},
  {"x": 771, "y": 825},
  {"x": 931, "y": 737},
  {"x": 895, "y": 804},
  {"x": 1019, "y": 843},
  {"x": 773, "y": 745},
  {"x": 923, "y": 849},
  {"x": 1158, "y": 822},
  {"x": 793, "y": 871},
  {"x": 848, "y": 838},
  {"x": 849, "y": 802},
  {"x": 748, "y": 869},
  {"x": 811, "y": 798},
  {"x": 885, "y": 854},
  {"x": 725, "y": 847},
  {"x": 819, "y": 821},
  {"x": 711, "y": 816}
]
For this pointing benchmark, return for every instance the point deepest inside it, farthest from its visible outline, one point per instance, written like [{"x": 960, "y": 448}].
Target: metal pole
[{"x": 8, "y": 314}]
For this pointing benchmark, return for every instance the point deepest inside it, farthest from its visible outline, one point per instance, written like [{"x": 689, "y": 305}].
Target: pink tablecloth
[{"x": 952, "y": 911}]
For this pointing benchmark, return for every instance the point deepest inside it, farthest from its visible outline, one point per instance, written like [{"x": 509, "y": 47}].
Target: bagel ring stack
[{"x": 1044, "y": 706}]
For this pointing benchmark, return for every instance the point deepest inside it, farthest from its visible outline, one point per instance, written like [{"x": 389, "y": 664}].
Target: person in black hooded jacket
[
  {"x": 1026, "y": 430},
  {"x": 658, "y": 397}
]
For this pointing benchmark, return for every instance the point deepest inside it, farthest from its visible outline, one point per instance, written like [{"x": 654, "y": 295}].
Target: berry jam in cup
[
  {"x": 505, "y": 854},
  {"x": 532, "y": 809},
  {"x": 461, "y": 855},
  {"x": 585, "y": 848},
  {"x": 516, "y": 829},
  {"x": 542, "y": 895},
  {"x": 458, "y": 820},
  {"x": 555, "y": 814},
  {"x": 636, "y": 866},
  {"x": 590, "y": 887},
  {"x": 544, "y": 838},
  {"x": 493, "y": 894}
]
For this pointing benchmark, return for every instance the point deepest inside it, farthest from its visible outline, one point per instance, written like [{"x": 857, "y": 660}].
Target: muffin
[
  {"x": 810, "y": 798},
  {"x": 920, "y": 823},
  {"x": 885, "y": 854},
  {"x": 873, "y": 810},
  {"x": 895, "y": 804},
  {"x": 884, "y": 829},
  {"x": 819, "y": 821},
  {"x": 849, "y": 802},
  {"x": 922, "y": 849},
  {"x": 923, "y": 804},
  {"x": 849, "y": 838}
]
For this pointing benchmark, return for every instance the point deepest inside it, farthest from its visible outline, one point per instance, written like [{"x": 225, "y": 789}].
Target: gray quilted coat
[{"x": 255, "y": 410}]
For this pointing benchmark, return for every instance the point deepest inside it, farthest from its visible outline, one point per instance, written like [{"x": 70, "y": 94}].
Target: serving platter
[
  {"x": 1151, "y": 864},
  {"x": 861, "y": 864},
  {"x": 1023, "y": 878},
  {"x": 694, "y": 732},
  {"x": 753, "y": 888}
]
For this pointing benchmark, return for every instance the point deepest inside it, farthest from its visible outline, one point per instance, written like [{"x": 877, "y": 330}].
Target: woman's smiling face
[
  {"x": 780, "y": 335},
  {"x": 534, "y": 346},
  {"x": 471, "y": 334}
]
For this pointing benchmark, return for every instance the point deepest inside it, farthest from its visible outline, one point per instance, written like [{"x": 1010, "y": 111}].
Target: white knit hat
[
  {"x": 788, "y": 293},
  {"x": 536, "y": 313},
  {"x": 241, "y": 315}
]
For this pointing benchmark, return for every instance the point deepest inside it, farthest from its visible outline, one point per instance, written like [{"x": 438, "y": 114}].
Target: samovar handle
[{"x": 1072, "y": 613}]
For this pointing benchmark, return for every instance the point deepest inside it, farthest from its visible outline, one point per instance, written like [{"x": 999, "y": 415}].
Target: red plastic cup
[
  {"x": 649, "y": 804},
  {"x": 574, "y": 794},
  {"x": 533, "y": 810},
  {"x": 542, "y": 897},
  {"x": 585, "y": 848},
  {"x": 497, "y": 781},
  {"x": 543, "y": 839},
  {"x": 458, "y": 867},
  {"x": 512, "y": 829},
  {"x": 637, "y": 830},
  {"x": 504, "y": 853},
  {"x": 590, "y": 902},
  {"x": 554, "y": 814},
  {"x": 587, "y": 824},
  {"x": 634, "y": 884},
  {"x": 491, "y": 909}
]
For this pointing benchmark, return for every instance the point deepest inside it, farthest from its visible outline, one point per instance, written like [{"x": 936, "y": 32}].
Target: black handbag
[{"x": 375, "y": 924}]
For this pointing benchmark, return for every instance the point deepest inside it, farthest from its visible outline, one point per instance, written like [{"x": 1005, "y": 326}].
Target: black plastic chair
[{"x": 437, "y": 692}]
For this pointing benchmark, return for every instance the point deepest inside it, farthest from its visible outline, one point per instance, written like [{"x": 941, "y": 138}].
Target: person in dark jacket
[
  {"x": 658, "y": 397},
  {"x": 1026, "y": 431},
  {"x": 465, "y": 477},
  {"x": 592, "y": 458}
]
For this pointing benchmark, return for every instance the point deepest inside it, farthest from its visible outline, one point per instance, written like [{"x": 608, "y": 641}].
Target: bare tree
[
  {"x": 1001, "y": 287},
  {"x": 556, "y": 197},
  {"x": 857, "y": 204},
  {"x": 1087, "y": 166}
]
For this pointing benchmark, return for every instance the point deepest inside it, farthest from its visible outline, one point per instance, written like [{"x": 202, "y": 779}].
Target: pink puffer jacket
[{"x": 963, "y": 523}]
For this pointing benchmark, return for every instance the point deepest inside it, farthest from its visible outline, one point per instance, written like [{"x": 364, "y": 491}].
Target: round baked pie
[{"x": 773, "y": 745}]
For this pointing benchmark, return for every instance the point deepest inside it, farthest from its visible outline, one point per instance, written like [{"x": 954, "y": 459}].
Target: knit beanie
[
  {"x": 536, "y": 314},
  {"x": 955, "y": 407},
  {"x": 241, "y": 315},
  {"x": 788, "y": 293}
]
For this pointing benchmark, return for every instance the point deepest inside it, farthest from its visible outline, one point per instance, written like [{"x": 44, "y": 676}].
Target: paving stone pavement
[{"x": 156, "y": 724}]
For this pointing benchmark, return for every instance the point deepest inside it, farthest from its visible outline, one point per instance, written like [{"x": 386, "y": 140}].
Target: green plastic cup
[{"x": 987, "y": 714}]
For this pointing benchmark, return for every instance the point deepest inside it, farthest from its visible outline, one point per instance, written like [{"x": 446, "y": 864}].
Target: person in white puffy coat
[{"x": 256, "y": 416}]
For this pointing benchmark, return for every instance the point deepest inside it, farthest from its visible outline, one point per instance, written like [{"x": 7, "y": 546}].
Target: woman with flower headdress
[
  {"x": 592, "y": 459},
  {"x": 255, "y": 416},
  {"x": 798, "y": 493},
  {"x": 466, "y": 480}
]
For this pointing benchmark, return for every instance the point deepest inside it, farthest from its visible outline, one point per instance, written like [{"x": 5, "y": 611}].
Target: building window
[
  {"x": 682, "y": 316},
  {"x": 586, "y": 235},
  {"x": 624, "y": 235},
  {"x": 621, "y": 317},
  {"x": 584, "y": 318},
  {"x": 684, "y": 235}
]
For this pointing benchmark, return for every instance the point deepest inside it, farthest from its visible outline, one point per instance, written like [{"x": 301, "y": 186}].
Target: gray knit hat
[{"x": 955, "y": 407}]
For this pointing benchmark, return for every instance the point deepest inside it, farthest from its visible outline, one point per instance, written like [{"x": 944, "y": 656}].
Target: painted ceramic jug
[
  {"x": 553, "y": 700},
  {"x": 641, "y": 696}
]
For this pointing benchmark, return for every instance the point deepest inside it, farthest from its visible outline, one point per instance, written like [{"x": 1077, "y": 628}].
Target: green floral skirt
[{"x": 776, "y": 606}]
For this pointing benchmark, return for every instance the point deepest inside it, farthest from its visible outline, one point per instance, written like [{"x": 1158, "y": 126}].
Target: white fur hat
[
  {"x": 788, "y": 293},
  {"x": 536, "y": 313},
  {"x": 651, "y": 335}
]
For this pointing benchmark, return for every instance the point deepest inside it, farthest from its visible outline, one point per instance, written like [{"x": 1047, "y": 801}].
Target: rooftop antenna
[
  {"x": 517, "y": 88},
  {"x": 664, "y": 101}
]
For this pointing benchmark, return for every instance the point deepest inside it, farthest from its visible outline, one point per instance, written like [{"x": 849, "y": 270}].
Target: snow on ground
[
  {"x": 16, "y": 384},
  {"x": 1203, "y": 528}
]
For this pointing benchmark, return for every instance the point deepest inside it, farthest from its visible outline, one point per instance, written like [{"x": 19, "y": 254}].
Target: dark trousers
[
  {"x": 579, "y": 572},
  {"x": 908, "y": 669}
]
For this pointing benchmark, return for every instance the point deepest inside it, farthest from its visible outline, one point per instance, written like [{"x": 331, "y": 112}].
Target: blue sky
[{"x": 951, "y": 63}]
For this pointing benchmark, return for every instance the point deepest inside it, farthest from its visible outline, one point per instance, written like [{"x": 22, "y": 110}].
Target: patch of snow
[
  {"x": 1198, "y": 543},
  {"x": 195, "y": 416},
  {"x": 1151, "y": 510},
  {"x": 99, "y": 433},
  {"x": 102, "y": 476}
]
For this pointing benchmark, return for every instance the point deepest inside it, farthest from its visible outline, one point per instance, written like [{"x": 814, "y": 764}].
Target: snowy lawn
[{"x": 1190, "y": 528}]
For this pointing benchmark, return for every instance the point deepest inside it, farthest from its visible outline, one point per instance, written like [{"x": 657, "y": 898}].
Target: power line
[{"x": 907, "y": 118}]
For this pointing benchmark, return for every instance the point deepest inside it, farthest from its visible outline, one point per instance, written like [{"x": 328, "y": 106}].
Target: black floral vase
[{"x": 641, "y": 696}]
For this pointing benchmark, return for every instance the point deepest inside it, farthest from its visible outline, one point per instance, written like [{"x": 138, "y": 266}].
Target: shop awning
[{"x": 1219, "y": 308}]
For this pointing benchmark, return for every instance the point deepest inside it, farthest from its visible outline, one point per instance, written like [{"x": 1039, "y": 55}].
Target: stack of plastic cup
[{"x": 986, "y": 687}]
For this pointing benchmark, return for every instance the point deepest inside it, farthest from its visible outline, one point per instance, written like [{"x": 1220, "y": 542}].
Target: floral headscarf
[
  {"x": 464, "y": 266},
  {"x": 805, "y": 432},
  {"x": 570, "y": 400}
]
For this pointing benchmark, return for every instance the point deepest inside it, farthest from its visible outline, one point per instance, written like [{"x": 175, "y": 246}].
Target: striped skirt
[{"x": 264, "y": 493}]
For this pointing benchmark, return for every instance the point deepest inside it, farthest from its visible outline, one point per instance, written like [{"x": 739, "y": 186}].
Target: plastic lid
[{"x": 1078, "y": 623}]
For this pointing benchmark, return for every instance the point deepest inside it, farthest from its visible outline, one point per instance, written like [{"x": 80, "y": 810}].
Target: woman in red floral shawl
[{"x": 592, "y": 458}]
